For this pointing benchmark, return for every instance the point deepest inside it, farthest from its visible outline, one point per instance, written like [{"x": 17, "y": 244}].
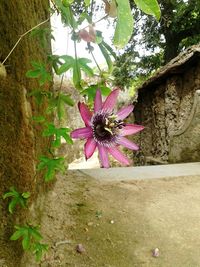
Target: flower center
[{"x": 106, "y": 128}]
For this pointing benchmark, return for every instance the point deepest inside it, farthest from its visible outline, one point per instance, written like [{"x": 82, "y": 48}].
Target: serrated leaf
[
  {"x": 124, "y": 27},
  {"x": 150, "y": 7}
]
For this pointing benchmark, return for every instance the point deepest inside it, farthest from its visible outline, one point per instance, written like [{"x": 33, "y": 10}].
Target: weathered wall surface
[
  {"x": 163, "y": 110},
  {"x": 184, "y": 144}
]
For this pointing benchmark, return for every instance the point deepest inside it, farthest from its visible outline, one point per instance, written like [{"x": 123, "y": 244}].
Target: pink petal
[
  {"x": 131, "y": 129},
  {"x": 124, "y": 112},
  {"x": 103, "y": 155},
  {"x": 98, "y": 101},
  {"x": 85, "y": 113},
  {"x": 127, "y": 143},
  {"x": 111, "y": 100},
  {"x": 82, "y": 133},
  {"x": 117, "y": 154},
  {"x": 89, "y": 147}
]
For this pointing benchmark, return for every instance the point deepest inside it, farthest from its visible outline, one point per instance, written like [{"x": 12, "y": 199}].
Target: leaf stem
[{"x": 24, "y": 34}]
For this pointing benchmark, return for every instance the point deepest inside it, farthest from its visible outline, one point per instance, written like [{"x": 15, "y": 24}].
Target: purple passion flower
[{"x": 105, "y": 130}]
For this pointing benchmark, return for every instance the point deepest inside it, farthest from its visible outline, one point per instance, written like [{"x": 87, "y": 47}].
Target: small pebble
[
  {"x": 80, "y": 248},
  {"x": 112, "y": 221},
  {"x": 155, "y": 252}
]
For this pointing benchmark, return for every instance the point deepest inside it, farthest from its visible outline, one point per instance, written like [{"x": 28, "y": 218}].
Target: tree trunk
[
  {"x": 20, "y": 141},
  {"x": 171, "y": 47}
]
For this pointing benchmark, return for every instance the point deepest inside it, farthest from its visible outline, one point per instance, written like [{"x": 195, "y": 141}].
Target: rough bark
[{"x": 20, "y": 141}]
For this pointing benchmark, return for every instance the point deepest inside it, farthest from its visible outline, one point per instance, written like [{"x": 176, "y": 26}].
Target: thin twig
[
  {"x": 90, "y": 50},
  {"x": 41, "y": 23},
  {"x": 95, "y": 22}
]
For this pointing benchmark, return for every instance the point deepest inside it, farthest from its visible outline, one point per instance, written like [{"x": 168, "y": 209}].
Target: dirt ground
[{"x": 120, "y": 223}]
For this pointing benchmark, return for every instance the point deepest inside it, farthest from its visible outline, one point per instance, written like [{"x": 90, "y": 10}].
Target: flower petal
[
  {"x": 111, "y": 100},
  {"x": 98, "y": 101},
  {"x": 124, "y": 112},
  {"x": 127, "y": 143},
  {"x": 82, "y": 133},
  {"x": 117, "y": 154},
  {"x": 131, "y": 129},
  {"x": 90, "y": 147},
  {"x": 85, "y": 113},
  {"x": 103, "y": 155}
]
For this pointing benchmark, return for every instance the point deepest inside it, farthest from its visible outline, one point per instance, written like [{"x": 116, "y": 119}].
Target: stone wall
[{"x": 163, "y": 109}]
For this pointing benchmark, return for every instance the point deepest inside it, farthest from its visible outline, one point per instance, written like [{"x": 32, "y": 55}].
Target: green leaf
[
  {"x": 83, "y": 66},
  {"x": 124, "y": 27},
  {"x": 39, "y": 249},
  {"x": 43, "y": 34},
  {"x": 76, "y": 74},
  {"x": 106, "y": 56},
  {"x": 67, "y": 15},
  {"x": 67, "y": 100},
  {"x": 87, "y": 2},
  {"x": 59, "y": 103},
  {"x": 109, "y": 48},
  {"x": 12, "y": 204},
  {"x": 16, "y": 235},
  {"x": 39, "y": 72},
  {"x": 17, "y": 198},
  {"x": 90, "y": 92},
  {"x": 51, "y": 166},
  {"x": 26, "y": 194},
  {"x": 150, "y": 7},
  {"x": 39, "y": 119},
  {"x": 58, "y": 133},
  {"x": 39, "y": 95},
  {"x": 68, "y": 64},
  {"x": 29, "y": 234},
  {"x": 26, "y": 241},
  {"x": 34, "y": 232}
]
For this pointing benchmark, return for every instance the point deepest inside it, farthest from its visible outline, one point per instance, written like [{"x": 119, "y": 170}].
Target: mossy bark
[{"x": 20, "y": 140}]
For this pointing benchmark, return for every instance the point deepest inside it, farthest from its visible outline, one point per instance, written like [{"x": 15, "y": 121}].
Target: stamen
[{"x": 106, "y": 129}]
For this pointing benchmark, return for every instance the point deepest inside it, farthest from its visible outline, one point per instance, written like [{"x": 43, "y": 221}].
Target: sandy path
[{"x": 119, "y": 223}]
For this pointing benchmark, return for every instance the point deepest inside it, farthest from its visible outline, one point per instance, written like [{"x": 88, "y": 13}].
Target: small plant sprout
[
  {"x": 31, "y": 238},
  {"x": 17, "y": 199}
]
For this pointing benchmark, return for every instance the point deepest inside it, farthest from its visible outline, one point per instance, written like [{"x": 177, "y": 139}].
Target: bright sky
[{"x": 64, "y": 45}]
